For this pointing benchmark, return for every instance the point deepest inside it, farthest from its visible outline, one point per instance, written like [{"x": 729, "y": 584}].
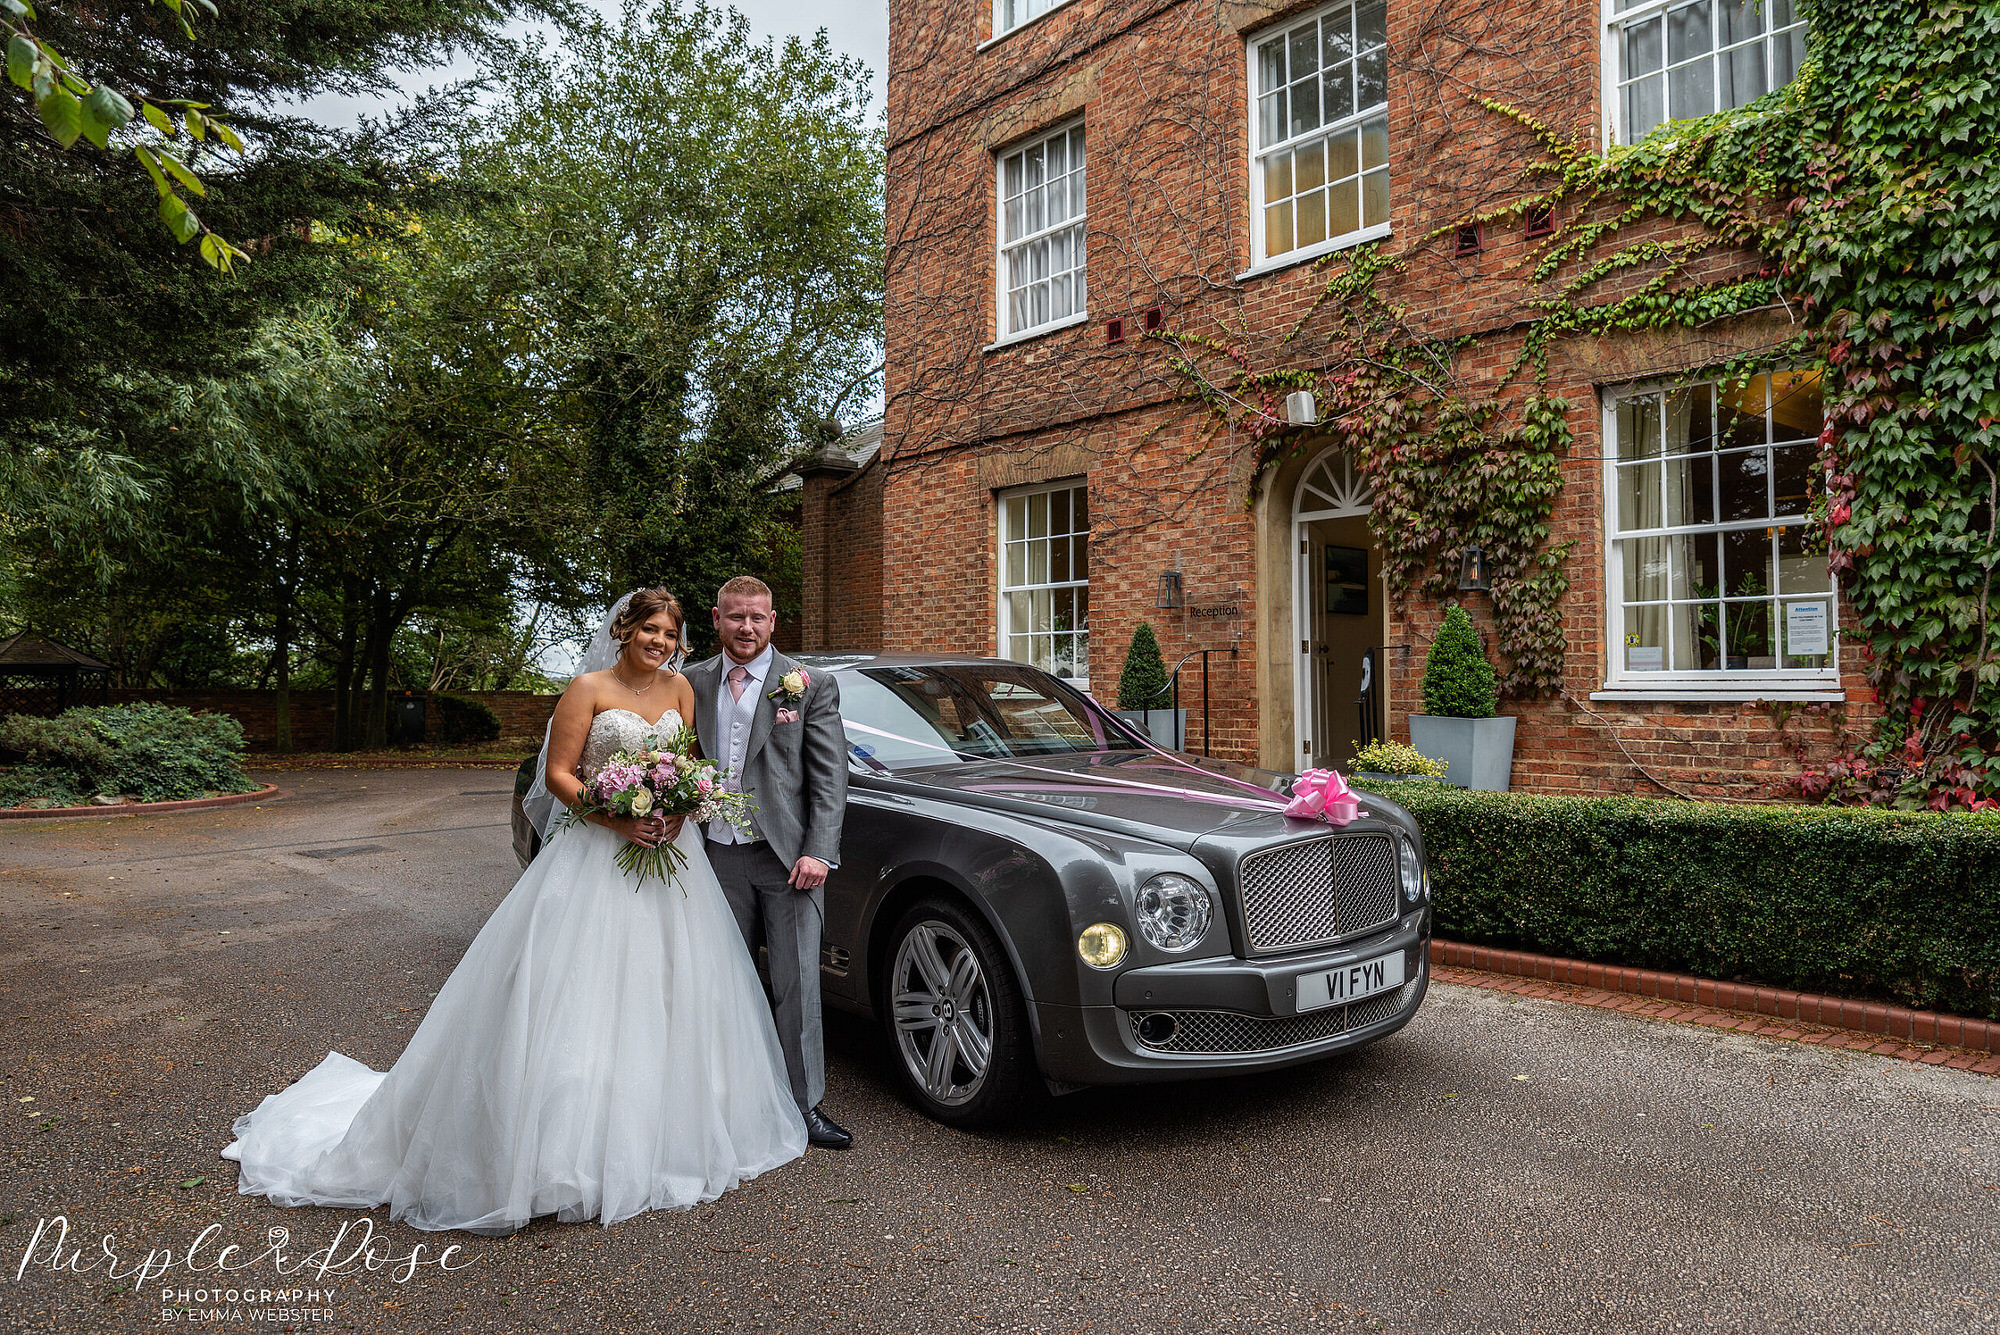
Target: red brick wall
[
  {"x": 843, "y": 560},
  {"x": 521, "y": 713},
  {"x": 1162, "y": 89}
]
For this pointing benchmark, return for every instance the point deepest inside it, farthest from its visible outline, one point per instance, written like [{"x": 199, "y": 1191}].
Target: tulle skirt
[{"x": 601, "y": 1050}]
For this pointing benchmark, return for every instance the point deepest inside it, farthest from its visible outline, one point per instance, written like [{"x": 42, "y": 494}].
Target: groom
[{"x": 776, "y": 729}]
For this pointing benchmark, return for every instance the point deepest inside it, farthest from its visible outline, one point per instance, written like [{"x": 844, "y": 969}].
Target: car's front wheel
[{"x": 955, "y": 1015}]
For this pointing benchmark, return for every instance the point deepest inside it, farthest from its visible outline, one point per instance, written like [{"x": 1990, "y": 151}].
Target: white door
[{"x": 1329, "y": 490}]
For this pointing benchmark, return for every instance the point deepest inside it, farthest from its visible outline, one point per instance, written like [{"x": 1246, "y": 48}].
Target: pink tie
[{"x": 739, "y": 677}]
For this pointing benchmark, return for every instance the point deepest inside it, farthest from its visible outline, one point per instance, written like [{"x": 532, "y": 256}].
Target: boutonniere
[{"x": 791, "y": 687}]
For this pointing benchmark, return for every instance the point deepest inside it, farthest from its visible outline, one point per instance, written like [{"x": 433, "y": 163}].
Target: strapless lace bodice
[{"x": 622, "y": 730}]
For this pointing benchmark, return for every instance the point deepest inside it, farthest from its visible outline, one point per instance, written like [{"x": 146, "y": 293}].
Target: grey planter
[
  {"x": 1159, "y": 724},
  {"x": 1479, "y": 751}
]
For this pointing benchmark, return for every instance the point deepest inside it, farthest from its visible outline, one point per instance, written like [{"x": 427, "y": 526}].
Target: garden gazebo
[{"x": 40, "y": 676}]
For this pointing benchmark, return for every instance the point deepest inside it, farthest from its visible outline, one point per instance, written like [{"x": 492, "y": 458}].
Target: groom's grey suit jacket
[{"x": 795, "y": 773}]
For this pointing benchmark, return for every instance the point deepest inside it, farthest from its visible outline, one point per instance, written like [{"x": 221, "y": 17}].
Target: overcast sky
[{"x": 855, "y": 27}]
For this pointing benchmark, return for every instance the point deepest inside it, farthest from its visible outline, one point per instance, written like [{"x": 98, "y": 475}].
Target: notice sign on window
[
  {"x": 1645, "y": 658},
  {"x": 1805, "y": 628}
]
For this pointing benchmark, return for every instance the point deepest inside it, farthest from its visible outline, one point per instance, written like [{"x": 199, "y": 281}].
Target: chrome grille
[
  {"x": 1324, "y": 890},
  {"x": 1225, "y": 1032}
]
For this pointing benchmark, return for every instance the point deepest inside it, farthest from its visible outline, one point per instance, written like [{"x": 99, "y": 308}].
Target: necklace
[{"x": 636, "y": 690}]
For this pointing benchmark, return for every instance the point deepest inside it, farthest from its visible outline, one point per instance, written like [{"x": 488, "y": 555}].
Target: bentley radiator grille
[
  {"x": 1314, "y": 893},
  {"x": 1225, "y": 1032}
]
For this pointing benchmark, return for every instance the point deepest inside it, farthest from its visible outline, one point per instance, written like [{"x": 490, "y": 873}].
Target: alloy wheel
[{"x": 943, "y": 1012}]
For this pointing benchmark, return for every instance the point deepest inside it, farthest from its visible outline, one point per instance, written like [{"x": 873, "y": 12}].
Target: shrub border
[
  {"x": 266, "y": 792},
  {"x": 1879, "y": 926}
]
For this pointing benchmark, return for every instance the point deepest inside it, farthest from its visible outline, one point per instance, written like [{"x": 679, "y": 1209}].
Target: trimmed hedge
[
  {"x": 1458, "y": 681},
  {"x": 1861, "y": 902},
  {"x": 1143, "y": 682},
  {"x": 154, "y": 752},
  {"x": 463, "y": 720}
]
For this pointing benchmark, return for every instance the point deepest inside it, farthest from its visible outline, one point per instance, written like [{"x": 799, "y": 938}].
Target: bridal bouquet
[{"x": 665, "y": 779}]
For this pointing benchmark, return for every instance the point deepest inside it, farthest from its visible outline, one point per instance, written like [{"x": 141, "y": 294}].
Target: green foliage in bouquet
[
  {"x": 463, "y": 720},
  {"x": 157, "y": 753},
  {"x": 1143, "y": 682},
  {"x": 1396, "y": 758},
  {"x": 1458, "y": 681}
]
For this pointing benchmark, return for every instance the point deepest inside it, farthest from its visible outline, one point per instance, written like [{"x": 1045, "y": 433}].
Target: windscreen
[{"x": 909, "y": 717}]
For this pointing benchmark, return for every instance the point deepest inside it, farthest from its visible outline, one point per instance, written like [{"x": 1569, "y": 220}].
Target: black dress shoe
[{"x": 826, "y": 1133}]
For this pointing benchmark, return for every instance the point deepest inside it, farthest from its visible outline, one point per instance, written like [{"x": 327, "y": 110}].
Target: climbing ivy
[{"x": 1868, "y": 187}]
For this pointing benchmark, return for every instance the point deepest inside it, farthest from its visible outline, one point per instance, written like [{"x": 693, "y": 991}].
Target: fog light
[
  {"x": 1156, "y": 1030},
  {"x": 1172, "y": 911},
  {"x": 1102, "y": 945}
]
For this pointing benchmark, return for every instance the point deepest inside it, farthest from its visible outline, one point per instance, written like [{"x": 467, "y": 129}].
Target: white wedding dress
[{"x": 602, "y": 1049}]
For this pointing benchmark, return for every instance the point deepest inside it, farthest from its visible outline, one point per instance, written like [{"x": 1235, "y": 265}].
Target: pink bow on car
[{"x": 1321, "y": 794}]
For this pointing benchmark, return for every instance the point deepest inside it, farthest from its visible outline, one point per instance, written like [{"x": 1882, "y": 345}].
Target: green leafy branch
[{"x": 72, "y": 108}]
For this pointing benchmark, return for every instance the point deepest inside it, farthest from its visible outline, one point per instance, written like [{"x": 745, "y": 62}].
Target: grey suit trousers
[{"x": 786, "y": 922}]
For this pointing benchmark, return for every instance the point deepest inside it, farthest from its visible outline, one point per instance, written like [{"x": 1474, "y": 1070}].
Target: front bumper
[{"x": 1230, "y": 1014}]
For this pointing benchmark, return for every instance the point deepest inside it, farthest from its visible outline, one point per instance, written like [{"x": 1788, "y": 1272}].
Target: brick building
[{"x": 1065, "y": 180}]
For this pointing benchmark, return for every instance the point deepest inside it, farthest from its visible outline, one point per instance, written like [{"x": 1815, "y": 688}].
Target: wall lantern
[
  {"x": 1472, "y": 571},
  {"x": 1171, "y": 593},
  {"x": 1300, "y": 408}
]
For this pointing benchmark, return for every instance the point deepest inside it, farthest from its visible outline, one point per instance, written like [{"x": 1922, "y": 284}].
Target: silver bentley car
[{"x": 1033, "y": 898}]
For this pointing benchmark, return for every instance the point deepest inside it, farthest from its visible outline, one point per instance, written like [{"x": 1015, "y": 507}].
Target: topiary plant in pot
[
  {"x": 1458, "y": 724},
  {"x": 1143, "y": 697}
]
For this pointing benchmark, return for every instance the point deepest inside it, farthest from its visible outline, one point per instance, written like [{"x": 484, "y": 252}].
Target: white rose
[
  {"x": 794, "y": 683},
  {"x": 642, "y": 802}
]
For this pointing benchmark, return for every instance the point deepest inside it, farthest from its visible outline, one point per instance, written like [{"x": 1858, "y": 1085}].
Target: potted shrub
[
  {"x": 1143, "y": 697},
  {"x": 1458, "y": 724},
  {"x": 1392, "y": 762}
]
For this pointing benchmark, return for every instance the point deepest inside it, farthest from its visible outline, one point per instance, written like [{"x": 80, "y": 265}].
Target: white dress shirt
[{"x": 733, "y": 719}]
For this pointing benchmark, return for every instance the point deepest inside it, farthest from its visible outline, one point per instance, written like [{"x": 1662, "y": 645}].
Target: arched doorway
[{"x": 1340, "y": 612}]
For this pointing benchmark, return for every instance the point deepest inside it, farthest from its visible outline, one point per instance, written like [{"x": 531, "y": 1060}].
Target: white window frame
[
  {"x": 999, "y": 30},
  {"x": 1003, "y": 622},
  {"x": 1612, "y": 52},
  {"x": 1261, "y": 260},
  {"x": 1721, "y": 685},
  {"x": 1002, "y": 333}
]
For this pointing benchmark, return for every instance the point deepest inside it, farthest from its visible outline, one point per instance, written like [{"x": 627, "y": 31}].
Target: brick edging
[
  {"x": 1868, "y": 1017},
  {"x": 267, "y": 792}
]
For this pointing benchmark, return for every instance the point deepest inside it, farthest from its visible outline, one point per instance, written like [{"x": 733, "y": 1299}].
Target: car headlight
[
  {"x": 1102, "y": 944},
  {"x": 1412, "y": 868},
  {"x": 1172, "y": 911}
]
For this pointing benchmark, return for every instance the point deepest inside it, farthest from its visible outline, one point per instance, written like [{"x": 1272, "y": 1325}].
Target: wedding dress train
[{"x": 602, "y": 1049}]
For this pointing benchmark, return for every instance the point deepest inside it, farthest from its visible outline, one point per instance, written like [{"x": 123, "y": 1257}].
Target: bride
[{"x": 602, "y": 1049}]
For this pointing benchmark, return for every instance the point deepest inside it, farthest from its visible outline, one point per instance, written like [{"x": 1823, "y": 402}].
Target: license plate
[{"x": 1351, "y": 982}]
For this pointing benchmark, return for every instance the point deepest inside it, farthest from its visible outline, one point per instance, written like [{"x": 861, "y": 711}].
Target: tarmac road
[{"x": 1503, "y": 1164}]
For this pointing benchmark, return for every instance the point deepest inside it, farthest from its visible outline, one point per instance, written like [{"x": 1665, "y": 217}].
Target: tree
[
  {"x": 1458, "y": 681},
  {"x": 1142, "y": 684},
  {"x": 105, "y": 307},
  {"x": 690, "y": 278},
  {"x": 73, "y": 108}
]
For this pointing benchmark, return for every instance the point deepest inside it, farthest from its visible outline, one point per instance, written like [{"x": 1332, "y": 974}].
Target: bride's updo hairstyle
[{"x": 643, "y": 605}]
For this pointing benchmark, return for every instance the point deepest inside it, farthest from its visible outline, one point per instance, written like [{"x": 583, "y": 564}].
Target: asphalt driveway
[{"x": 1502, "y": 1165}]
